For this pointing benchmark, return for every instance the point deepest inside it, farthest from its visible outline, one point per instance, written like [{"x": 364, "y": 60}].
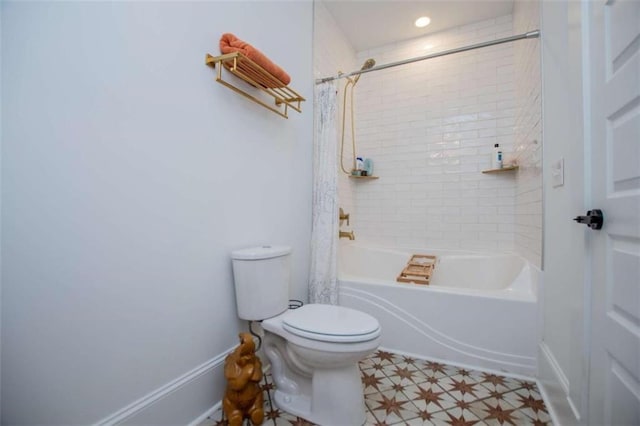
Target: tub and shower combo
[{"x": 478, "y": 310}]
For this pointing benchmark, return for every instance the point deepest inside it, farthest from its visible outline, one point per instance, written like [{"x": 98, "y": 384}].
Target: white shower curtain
[{"x": 323, "y": 282}]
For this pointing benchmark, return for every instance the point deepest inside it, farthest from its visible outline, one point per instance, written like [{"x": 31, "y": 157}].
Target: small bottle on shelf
[{"x": 496, "y": 157}]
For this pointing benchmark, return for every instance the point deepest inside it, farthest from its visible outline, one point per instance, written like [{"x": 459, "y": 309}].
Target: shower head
[{"x": 368, "y": 64}]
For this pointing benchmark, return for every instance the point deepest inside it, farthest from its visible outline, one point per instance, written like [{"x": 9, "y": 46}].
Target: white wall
[
  {"x": 430, "y": 127},
  {"x": 128, "y": 175},
  {"x": 333, "y": 53},
  {"x": 528, "y": 133},
  {"x": 563, "y": 355},
  {"x": 1, "y": 48}
]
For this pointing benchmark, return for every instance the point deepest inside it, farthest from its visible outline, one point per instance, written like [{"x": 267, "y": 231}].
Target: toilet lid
[{"x": 330, "y": 323}]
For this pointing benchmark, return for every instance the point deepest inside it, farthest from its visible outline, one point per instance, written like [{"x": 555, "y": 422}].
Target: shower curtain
[{"x": 323, "y": 281}]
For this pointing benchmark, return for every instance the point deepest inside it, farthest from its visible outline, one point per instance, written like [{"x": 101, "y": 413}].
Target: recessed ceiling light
[{"x": 423, "y": 21}]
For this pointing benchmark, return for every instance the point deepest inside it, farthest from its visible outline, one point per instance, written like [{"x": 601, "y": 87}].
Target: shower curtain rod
[{"x": 530, "y": 34}]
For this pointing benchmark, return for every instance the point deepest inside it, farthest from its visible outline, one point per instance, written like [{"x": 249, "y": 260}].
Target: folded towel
[{"x": 230, "y": 43}]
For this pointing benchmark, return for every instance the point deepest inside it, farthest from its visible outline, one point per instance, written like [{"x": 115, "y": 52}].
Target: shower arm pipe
[{"x": 530, "y": 34}]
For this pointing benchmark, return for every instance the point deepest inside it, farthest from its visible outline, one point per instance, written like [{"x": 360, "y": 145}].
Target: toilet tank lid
[{"x": 260, "y": 252}]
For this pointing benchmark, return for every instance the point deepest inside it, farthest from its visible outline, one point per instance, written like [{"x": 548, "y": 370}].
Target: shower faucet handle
[{"x": 344, "y": 216}]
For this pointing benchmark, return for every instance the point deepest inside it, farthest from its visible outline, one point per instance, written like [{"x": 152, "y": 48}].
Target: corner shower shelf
[
  {"x": 363, "y": 177},
  {"x": 502, "y": 170},
  {"x": 252, "y": 73}
]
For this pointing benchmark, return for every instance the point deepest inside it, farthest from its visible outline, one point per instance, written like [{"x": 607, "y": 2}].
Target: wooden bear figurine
[{"x": 243, "y": 396}]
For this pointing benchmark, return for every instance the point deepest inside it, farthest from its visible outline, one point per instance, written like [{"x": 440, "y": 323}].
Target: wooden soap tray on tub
[{"x": 418, "y": 270}]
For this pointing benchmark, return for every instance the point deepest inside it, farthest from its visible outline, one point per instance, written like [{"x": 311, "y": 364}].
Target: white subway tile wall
[
  {"x": 528, "y": 148},
  {"x": 332, "y": 53},
  {"x": 430, "y": 128}
]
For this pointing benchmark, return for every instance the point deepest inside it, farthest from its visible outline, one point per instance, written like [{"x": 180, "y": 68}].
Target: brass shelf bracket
[
  {"x": 245, "y": 69},
  {"x": 502, "y": 170},
  {"x": 363, "y": 177}
]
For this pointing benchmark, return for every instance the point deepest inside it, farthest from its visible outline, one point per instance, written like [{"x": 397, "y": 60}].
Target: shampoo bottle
[{"x": 496, "y": 157}]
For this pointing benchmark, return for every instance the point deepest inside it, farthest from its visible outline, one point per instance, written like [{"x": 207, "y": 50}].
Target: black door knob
[{"x": 594, "y": 219}]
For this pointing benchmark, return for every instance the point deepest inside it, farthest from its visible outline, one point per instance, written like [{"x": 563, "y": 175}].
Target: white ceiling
[{"x": 370, "y": 24}]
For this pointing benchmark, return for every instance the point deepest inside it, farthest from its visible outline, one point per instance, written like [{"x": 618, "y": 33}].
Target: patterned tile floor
[{"x": 401, "y": 390}]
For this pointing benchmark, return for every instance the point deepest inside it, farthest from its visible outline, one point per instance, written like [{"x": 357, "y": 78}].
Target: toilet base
[
  {"x": 298, "y": 405},
  {"x": 314, "y": 379},
  {"x": 337, "y": 398}
]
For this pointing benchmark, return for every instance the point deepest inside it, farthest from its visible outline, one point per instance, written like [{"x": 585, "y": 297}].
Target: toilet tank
[{"x": 261, "y": 275}]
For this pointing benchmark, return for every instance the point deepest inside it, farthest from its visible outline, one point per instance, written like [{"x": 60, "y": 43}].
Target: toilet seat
[{"x": 329, "y": 323}]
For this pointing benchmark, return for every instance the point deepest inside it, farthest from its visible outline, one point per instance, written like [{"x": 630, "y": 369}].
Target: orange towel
[{"x": 230, "y": 43}]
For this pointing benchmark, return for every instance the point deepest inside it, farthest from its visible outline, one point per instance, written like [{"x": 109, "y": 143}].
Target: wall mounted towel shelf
[
  {"x": 252, "y": 73},
  {"x": 502, "y": 170}
]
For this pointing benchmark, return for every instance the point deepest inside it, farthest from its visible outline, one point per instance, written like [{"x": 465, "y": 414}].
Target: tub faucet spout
[{"x": 345, "y": 234}]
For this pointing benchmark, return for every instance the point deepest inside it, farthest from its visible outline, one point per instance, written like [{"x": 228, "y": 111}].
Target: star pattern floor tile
[{"x": 401, "y": 390}]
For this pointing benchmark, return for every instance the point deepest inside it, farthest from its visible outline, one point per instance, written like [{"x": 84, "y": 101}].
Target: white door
[{"x": 614, "y": 384}]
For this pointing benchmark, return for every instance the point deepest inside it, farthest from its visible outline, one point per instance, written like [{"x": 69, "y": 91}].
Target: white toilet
[{"x": 314, "y": 350}]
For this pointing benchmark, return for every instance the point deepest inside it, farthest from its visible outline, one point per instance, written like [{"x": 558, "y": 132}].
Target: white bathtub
[{"x": 479, "y": 310}]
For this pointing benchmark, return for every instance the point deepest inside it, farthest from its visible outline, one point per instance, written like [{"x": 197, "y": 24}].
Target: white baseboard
[
  {"x": 548, "y": 356},
  {"x": 142, "y": 406},
  {"x": 554, "y": 387},
  {"x": 204, "y": 416}
]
